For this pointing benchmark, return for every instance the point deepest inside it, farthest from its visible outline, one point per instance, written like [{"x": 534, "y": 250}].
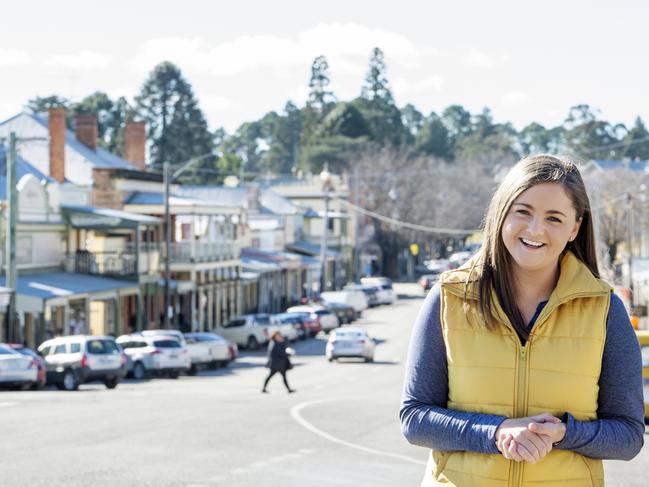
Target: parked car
[
  {"x": 352, "y": 297},
  {"x": 369, "y": 291},
  {"x": 433, "y": 266},
  {"x": 40, "y": 363},
  {"x": 78, "y": 359},
  {"x": 643, "y": 338},
  {"x": 158, "y": 355},
  {"x": 385, "y": 293},
  {"x": 345, "y": 313},
  {"x": 177, "y": 334},
  {"x": 350, "y": 342},
  {"x": 250, "y": 331},
  {"x": 310, "y": 323},
  {"x": 327, "y": 318},
  {"x": 207, "y": 350},
  {"x": 16, "y": 369},
  {"x": 427, "y": 281},
  {"x": 459, "y": 258},
  {"x": 289, "y": 326}
]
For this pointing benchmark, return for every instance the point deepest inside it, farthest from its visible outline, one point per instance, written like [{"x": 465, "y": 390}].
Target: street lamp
[{"x": 325, "y": 177}]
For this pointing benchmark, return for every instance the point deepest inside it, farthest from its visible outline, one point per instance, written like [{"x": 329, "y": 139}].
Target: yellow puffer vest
[{"x": 557, "y": 370}]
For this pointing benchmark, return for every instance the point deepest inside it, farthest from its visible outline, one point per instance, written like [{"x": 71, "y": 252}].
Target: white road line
[{"x": 295, "y": 413}]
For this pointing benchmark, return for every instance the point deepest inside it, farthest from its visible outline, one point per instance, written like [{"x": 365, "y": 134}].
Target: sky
[{"x": 526, "y": 61}]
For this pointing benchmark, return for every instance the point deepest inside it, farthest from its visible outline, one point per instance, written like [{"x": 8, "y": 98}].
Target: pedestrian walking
[
  {"x": 523, "y": 368},
  {"x": 278, "y": 360}
]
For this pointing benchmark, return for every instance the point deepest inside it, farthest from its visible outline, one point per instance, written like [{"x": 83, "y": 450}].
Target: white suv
[
  {"x": 155, "y": 355},
  {"x": 77, "y": 359},
  {"x": 250, "y": 331}
]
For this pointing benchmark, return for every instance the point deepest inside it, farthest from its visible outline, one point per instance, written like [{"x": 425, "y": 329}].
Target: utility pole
[
  {"x": 10, "y": 251},
  {"x": 357, "y": 227},
  {"x": 167, "y": 300},
  {"x": 323, "y": 246}
]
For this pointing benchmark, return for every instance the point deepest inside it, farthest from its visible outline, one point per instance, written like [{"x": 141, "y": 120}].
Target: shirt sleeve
[
  {"x": 425, "y": 419},
  {"x": 618, "y": 432}
]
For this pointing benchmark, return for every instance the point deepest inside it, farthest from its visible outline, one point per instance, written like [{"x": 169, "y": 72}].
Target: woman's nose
[{"x": 535, "y": 226}]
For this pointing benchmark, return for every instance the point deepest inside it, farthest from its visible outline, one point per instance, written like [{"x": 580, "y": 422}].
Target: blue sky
[{"x": 527, "y": 62}]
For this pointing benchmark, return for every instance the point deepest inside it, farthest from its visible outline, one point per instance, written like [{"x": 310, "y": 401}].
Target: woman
[
  {"x": 278, "y": 360},
  {"x": 523, "y": 368}
]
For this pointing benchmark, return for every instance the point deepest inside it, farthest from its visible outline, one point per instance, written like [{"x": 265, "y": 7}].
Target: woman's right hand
[{"x": 516, "y": 442}]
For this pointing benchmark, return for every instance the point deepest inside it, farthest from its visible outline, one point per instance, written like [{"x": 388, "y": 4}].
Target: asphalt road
[{"x": 216, "y": 429}]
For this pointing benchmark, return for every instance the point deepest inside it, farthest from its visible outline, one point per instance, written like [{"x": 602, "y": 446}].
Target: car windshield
[
  {"x": 6, "y": 351},
  {"x": 166, "y": 344},
  {"x": 349, "y": 335},
  {"x": 105, "y": 347},
  {"x": 263, "y": 319},
  {"x": 323, "y": 312}
]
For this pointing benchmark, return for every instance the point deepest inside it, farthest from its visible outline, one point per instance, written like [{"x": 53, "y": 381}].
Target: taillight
[
  {"x": 84, "y": 361},
  {"x": 155, "y": 352},
  {"x": 123, "y": 358},
  {"x": 34, "y": 363},
  {"x": 265, "y": 331},
  {"x": 362, "y": 342}
]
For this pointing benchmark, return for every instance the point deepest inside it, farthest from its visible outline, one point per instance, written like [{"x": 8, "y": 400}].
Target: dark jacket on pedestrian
[{"x": 278, "y": 360}]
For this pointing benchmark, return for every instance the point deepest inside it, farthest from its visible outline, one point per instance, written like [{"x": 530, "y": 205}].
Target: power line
[{"x": 400, "y": 223}]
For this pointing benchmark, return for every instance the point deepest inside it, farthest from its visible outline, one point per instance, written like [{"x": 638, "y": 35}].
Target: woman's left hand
[{"x": 556, "y": 431}]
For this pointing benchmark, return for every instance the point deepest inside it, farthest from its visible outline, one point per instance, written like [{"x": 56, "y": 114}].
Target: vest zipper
[{"x": 520, "y": 408}]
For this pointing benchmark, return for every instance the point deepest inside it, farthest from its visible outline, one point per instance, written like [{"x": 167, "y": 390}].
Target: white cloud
[
  {"x": 404, "y": 87},
  {"x": 13, "y": 57},
  {"x": 214, "y": 103},
  {"x": 347, "y": 47},
  {"x": 81, "y": 61},
  {"x": 515, "y": 99},
  {"x": 478, "y": 59}
]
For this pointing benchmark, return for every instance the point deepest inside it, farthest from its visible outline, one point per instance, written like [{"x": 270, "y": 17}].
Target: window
[
  {"x": 59, "y": 349},
  {"x": 6, "y": 351},
  {"x": 75, "y": 348},
  {"x": 102, "y": 347},
  {"x": 235, "y": 323},
  {"x": 166, "y": 344},
  {"x": 330, "y": 224}
]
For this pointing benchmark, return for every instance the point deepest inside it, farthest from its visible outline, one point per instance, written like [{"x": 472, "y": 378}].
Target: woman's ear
[{"x": 575, "y": 230}]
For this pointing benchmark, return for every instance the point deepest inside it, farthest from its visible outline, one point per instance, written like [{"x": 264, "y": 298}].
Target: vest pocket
[
  {"x": 596, "y": 470},
  {"x": 439, "y": 460}
]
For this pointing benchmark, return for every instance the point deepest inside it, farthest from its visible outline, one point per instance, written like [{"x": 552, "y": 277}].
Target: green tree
[
  {"x": 587, "y": 137},
  {"x": 536, "y": 139},
  {"x": 433, "y": 138},
  {"x": 636, "y": 141},
  {"x": 177, "y": 128},
  {"x": 413, "y": 120},
  {"x": 320, "y": 97},
  {"x": 376, "y": 103},
  {"x": 40, "y": 104}
]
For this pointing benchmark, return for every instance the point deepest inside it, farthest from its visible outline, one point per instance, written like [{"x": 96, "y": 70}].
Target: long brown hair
[{"x": 494, "y": 263}]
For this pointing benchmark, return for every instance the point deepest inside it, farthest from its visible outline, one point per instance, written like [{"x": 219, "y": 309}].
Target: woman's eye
[
  {"x": 554, "y": 219},
  {"x": 523, "y": 212}
]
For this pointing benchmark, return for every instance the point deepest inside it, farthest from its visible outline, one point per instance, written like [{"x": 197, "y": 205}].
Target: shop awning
[
  {"x": 284, "y": 260},
  {"x": 310, "y": 249},
  {"x": 33, "y": 290},
  {"x": 105, "y": 218}
]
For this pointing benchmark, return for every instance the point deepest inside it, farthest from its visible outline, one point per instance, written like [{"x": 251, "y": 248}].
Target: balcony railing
[
  {"x": 333, "y": 241},
  {"x": 117, "y": 263},
  {"x": 193, "y": 252}
]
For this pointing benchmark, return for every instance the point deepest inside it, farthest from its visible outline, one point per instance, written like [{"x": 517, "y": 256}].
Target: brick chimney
[
  {"x": 135, "y": 143},
  {"x": 85, "y": 130},
  {"x": 56, "y": 126}
]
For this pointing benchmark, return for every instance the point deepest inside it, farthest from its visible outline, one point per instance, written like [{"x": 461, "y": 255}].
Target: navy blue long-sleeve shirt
[{"x": 425, "y": 420}]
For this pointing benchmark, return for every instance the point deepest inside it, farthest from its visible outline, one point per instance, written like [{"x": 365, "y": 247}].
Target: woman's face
[{"x": 538, "y": 226}]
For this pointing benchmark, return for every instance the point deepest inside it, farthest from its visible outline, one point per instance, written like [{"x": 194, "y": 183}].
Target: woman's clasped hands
[{"x": 529, "y": 439}]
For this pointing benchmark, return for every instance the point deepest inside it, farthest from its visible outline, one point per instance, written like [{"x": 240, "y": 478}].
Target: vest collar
[{"x": 575, "y": 281}]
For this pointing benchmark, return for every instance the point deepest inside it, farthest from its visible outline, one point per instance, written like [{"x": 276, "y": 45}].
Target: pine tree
[
  {"x": 175, "y": 123},
  {"x": 320, "y": 98},
  {"x": 376, "y": 86}
]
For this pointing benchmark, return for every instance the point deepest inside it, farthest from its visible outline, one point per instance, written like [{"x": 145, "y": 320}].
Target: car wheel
[
  {"x": 174, "y": 374},
  {"x": 331, "y": 359},
  {"x": 111, "y": 383},
  {"x": 252, "y": 343},
  {"x": 193, "y": 370},
  {"x": 213, "y": 365},
  {"x": 139, "y": 371},
  {"x": 70, "y": 381}
]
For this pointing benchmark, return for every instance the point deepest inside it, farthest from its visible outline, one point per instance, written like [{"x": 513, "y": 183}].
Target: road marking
[{"x": 295, "y": 413}]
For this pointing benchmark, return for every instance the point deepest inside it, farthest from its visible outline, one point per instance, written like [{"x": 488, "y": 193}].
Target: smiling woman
[{"x": 523, "y": 367}]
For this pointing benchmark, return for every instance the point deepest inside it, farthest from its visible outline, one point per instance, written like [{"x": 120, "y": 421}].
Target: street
[{"x": 341, "y": 428}]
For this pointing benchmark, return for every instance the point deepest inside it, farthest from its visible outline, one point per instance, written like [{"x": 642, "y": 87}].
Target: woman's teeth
[{"x": 532, "y": 243}]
